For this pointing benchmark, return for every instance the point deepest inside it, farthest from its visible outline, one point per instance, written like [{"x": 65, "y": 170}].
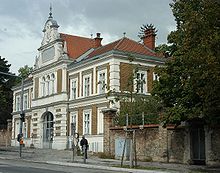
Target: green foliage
[
  {"x": 25, "y": 71},
  {"x": 133, "y": 104},
  {"x": 142, "y": 105},
  {"x": 6, "y": 82},
  {"x": 189, "y": 84},
  {"x": 166, "y": 50}
]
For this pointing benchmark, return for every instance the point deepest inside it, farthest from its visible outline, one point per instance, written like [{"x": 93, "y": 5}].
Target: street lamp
[{"x": 22, "y": 114}]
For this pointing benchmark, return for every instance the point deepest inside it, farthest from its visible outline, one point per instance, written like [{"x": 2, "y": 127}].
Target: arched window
[
  {"x": 48, "y": 128},
  {"x": 48, "y": 85},
  {"x": 43, "y": 89},
  {"x": 52, "y": 83}
]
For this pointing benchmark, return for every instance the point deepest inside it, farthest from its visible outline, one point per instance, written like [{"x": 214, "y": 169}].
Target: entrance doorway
[
  {"x": 198, "y": 144},
  {"x": 48, "y": 130}
]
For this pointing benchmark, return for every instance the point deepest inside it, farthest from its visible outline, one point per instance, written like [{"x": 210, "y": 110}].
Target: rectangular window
[
  {"x": 17, "y": 128},
  {"x": 25, "y": 130},
  {"x": 87, "y": 123},
  {"x": 73, "y": 123},
  {"x": 43, "y": 88},
  {"x": 48, "y": 87},
  {"x": 74, "y": 89},
  {"x": 155, "y": 76},
  {"x": 18, "y": 103},
  {"x": 102, "y": 82},
  {"x": 141, "y": 82},
  {"x": 87, "y": 86},
  {"x": 100, "y": 122}
]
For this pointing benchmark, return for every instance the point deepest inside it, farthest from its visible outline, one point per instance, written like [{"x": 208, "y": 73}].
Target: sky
[{"x": 22, "y": 22}]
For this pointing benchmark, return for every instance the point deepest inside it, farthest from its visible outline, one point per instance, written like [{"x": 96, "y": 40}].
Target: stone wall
[
  {"x": 5, "y": 135},
  {"x": 5, "y": 138},
  {"x": 215, "y": 146},
  {"x": 153, "y": 143}
]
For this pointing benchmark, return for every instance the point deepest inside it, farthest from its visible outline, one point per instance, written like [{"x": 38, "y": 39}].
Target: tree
[
  {"x": 25, "y": 71},
  {"x": 6, "y": 98},
  {"x": 132, "y": 102},
  {"x": 189, "y": 84},
  {"x": 166, "y": 50}
]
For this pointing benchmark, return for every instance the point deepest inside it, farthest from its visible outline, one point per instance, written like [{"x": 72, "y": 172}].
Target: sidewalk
[{"x": 64, "y": 157}]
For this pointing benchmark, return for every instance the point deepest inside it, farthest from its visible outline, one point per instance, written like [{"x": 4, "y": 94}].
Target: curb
[
  {"x": 87, "y": 165},
  {"x": 105, "y": 167}
]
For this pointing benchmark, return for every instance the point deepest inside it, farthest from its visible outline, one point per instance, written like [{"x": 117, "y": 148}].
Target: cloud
[{"x": 22, "y": 22}]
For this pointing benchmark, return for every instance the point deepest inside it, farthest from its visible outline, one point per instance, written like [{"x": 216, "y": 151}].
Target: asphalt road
[{"x": 17, "y": 166}]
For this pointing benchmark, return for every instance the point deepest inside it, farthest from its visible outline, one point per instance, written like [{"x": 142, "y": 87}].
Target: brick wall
[
  {"x": 126, "y": 71},
  {"x": 80, "y": 121},
  {"x": 94, "y": 120},
  {"x": 59, "y": 81}
]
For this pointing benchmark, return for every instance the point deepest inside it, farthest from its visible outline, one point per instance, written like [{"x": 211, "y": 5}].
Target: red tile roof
[
  {"x": 76, "y": 45},
  {"x": 126, "y": 45}
]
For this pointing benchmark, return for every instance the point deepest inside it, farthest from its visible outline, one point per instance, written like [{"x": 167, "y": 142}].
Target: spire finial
[
  {"x": 50, "y": 14},
  {"x": 124, "y": 33}
]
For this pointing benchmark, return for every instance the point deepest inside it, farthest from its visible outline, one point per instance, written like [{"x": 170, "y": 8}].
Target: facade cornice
[
  {"x": 115, "y": 53},
  {"x": 50, "y": 105},
  {"x": 49, "y": 44},
  {"x": 26, "y": 84},
  {"x": 52, "y": 65},
  {"x": 94, "y": 97}
]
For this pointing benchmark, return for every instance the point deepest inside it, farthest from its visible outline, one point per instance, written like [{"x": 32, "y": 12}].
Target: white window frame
[
  {"x": 26, "y": 105},
  {"x": 43, "y": 86},
  {"x": 74, "y": 118},
  {"x": 18, "y": 103},
  {"x": 48, "y": 85},
  {"x": 72, "y": 93},
  {"x": 25, "y": 129},
  {"x": 155, "y": 77},
  {"x": 17, "y": 128},
  {"x": 87, "y": 128},
  {"x": 102, "y": 82},
  {"x": 52, "y": 78},
  {"x": 87, "y": 87},
  {"x": 144, "y": 84},
  {"x": 100, "y": 121}
]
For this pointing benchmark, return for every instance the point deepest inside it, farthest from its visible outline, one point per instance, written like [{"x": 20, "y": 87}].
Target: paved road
[{"x": 8, "y": 166}]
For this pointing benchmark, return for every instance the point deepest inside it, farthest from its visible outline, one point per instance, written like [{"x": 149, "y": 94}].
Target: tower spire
[{"x": 50, "y": 14}]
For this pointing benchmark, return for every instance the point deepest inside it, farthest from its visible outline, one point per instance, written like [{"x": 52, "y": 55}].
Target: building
[{"x": 68, "y": 83}]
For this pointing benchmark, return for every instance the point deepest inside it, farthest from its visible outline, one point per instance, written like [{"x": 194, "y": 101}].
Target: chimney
[
  {"x": 149, "y": 38},
  {"x": 98, "y": 40}
]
